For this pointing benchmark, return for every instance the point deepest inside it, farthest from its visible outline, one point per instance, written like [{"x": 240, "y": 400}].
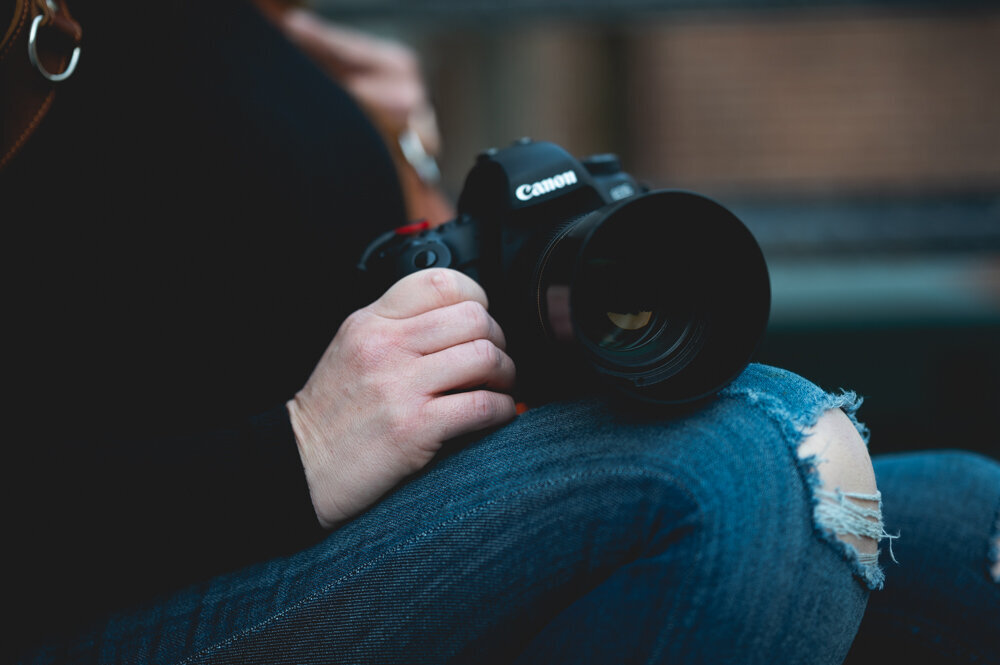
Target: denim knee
[
  {"x": 579, "y": 532},
  {"x": 847, "y": 506},
  {"x": 729, "y": 542}
]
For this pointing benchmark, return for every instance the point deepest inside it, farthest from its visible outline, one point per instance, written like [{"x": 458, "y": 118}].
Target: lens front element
[{"x": 668, "y": 294}]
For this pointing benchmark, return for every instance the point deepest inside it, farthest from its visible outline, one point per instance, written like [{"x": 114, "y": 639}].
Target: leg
[
  {"x": 748, "y": 618},
  {"x": 941, "y": 603},
  {"x": 576, "y": 534}
]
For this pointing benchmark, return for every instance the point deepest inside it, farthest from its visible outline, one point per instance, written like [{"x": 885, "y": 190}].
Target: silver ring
[
  {"x": 33, "y": 55},
  {"x": 414, "y": 152}
]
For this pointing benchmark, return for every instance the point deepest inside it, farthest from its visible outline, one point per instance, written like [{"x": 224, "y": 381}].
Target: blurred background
[{"x": 860, "y": 142}]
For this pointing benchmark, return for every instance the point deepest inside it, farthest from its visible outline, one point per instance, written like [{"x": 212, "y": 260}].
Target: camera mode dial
[{"x": 603, "y": 164}]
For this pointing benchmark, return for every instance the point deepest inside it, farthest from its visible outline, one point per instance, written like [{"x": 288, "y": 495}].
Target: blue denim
[
  {"x": 940, "y": 604},
  {"x": 579, "y": 533}
]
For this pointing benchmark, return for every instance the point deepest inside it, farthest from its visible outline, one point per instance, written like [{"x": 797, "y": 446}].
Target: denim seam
[
  {"x": 793, "y": 429},
  {"x": 247, "y": 632}
]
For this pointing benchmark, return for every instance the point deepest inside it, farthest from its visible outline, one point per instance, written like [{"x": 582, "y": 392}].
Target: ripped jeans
[{"x": 574, "y": 535}]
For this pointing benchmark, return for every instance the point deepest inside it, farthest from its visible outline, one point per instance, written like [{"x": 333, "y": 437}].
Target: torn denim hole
[
  {"x": 838, "y": 513},
  {"x": 839, "y": 508}
]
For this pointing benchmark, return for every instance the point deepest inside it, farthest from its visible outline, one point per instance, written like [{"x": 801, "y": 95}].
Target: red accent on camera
[{"x": 415, "y": 227}]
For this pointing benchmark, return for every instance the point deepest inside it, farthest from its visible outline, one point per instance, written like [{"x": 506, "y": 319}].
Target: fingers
[
  {"x": 357, "y": 50},
  {"x": 445, "y": 327},
  {"x": 384, "y": 75},
  {"x": 462, "y": 413},
  {"x": 427, "y": 290},
  {"x": 475, "y": 364}
]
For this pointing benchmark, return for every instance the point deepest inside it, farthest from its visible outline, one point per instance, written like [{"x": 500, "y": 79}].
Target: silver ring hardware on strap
[{"x": 33, "y": 54}]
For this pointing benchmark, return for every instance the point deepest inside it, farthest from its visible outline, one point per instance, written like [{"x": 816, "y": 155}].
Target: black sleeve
[
  {"x": 113, "y": 523},
  {"x": 182, "y": 233}
]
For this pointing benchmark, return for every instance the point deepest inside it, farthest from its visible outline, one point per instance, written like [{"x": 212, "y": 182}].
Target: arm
[
  {"x": 123, "y": 520},
  {"x": 421, "y": 365},
  {"x": 385, "y": 78}
]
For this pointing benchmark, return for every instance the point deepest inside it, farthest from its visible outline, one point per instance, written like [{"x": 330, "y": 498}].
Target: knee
[{"x": 849, "y": 503}]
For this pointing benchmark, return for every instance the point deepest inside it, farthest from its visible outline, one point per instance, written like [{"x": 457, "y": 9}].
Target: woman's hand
[
  {"x": 383, "y": 75},
  {"x": 386, "y": 80},
  {"x": 421, "y": 365}
]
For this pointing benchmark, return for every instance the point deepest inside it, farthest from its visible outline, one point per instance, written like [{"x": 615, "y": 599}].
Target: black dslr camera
[{"x": 662, "y": 295}]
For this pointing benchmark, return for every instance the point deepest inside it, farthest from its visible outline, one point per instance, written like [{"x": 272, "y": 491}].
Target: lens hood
[{"x": 666, "y": 294}]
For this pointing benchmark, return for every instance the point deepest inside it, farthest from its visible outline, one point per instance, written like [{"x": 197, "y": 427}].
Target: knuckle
[
  {"x": 352, "y": 331},
  {"x": 476, "y": 318},
  {"x": 486, "y": 353},
  {"x": 445, "y": 284},
  {"x": 366, "y": 353},
  {"x": 353, "y": 322},
  {"x": 482, "y": 407},
  {"x": 371, "y": 346}
]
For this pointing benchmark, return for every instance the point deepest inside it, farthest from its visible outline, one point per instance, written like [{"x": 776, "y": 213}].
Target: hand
[
  {"x": 385, "y": 78},
  {"x": 383, "y": 75},
  {"x": 421, "y": 365}
]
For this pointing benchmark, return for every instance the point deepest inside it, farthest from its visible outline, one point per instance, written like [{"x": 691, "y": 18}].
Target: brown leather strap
[{"x": 25, "y": 93}]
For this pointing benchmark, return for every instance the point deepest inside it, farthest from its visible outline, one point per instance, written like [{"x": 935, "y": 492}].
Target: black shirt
[{"x": 181, "y": 236}]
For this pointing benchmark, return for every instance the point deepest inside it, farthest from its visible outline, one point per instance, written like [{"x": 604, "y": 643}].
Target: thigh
[{"x": 579, "y": 533}]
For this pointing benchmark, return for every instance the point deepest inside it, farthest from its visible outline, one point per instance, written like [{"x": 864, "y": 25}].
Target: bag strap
[{"x": 40, "y": 48}]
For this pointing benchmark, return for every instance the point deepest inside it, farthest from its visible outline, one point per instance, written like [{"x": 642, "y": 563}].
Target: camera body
[
  {"x": 592, "y": 275},
  {"x": 510, "y": 196}
]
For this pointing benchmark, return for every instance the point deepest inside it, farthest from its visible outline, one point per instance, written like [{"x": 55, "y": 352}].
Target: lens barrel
[{"x": 666, "y": 295}]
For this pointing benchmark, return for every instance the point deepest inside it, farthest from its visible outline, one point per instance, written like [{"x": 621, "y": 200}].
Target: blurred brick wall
[
  {"x": 798, "y": 101},
  {"x": 547, "y": 80},
  {"x": 819, "y": 101}
]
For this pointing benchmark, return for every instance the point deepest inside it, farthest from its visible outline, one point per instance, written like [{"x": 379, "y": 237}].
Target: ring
[{"x": 414, "y": 152}]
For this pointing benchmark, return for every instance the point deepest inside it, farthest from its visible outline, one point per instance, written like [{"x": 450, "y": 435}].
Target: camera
[{"x": 655, "y": 294}]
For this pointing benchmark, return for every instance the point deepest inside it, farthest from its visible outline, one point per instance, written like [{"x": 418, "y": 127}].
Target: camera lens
[
  {"x": 628, "y": 330},
  {"x": 666, "y": 295},
  {"x": 620, "y": 312}
]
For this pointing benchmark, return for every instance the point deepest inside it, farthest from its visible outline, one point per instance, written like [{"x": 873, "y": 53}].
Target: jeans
[
  {"x": 941, "y": 603},
  {"x": 578, "y": 534}
]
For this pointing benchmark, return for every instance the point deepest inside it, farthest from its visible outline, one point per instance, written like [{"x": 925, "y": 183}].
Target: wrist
[{"x": 312, "y": 455}]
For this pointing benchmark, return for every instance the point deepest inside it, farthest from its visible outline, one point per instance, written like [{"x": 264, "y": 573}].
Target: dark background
[{"x": 860, "y": 141}]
